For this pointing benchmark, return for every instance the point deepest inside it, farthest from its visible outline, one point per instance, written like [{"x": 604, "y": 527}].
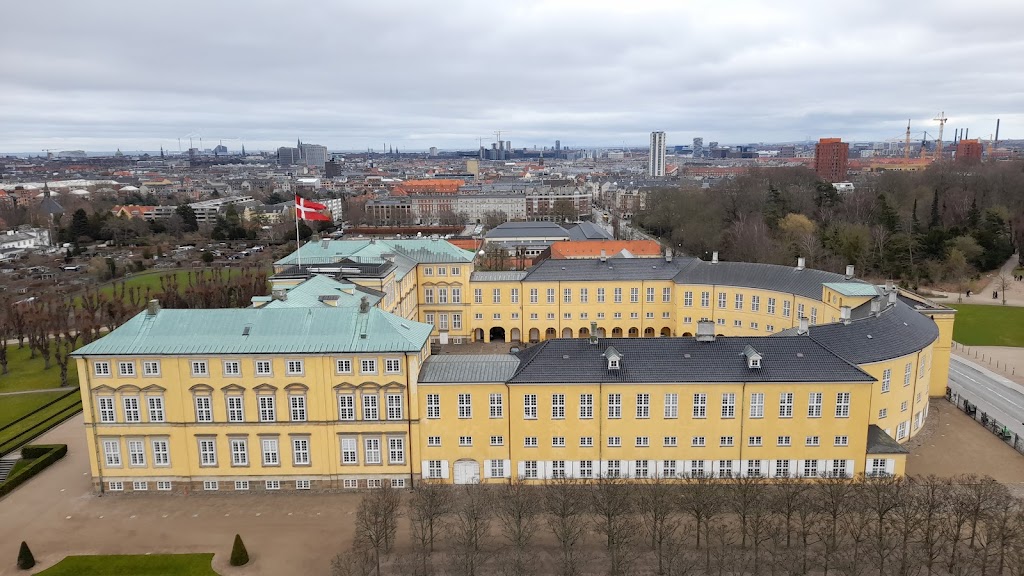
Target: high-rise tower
[{"x": 656, "y": 162}]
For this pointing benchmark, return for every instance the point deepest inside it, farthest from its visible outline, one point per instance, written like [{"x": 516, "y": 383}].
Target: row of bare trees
[{"x": 899, "y": 526}]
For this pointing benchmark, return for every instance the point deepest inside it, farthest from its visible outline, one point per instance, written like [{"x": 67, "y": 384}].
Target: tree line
[
  {"x": 941, "y": 224},
  {"x": 899, "y": 526}
]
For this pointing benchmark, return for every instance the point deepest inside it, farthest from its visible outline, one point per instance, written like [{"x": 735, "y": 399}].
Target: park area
[
  {"x": 133, "y": 565},
  {"x": 32, "y": 398},
  {"x": 981, "y": 325}
]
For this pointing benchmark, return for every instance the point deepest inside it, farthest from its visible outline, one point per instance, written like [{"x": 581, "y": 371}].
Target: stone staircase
[{"x": 6, "y": 463}]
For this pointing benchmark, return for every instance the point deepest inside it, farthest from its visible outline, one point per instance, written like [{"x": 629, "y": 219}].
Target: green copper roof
[
  {"x": 852, "y": 288},
  {"x": 309, "y": 294},
  {"x": 421, "y": 250},
  {"x": 262, "y": 331}
]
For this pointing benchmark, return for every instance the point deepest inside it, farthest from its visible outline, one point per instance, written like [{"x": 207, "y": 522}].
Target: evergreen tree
[
  {"x": 915, "y": 223},
  {"x": 188, "y": 217},
  {"x": 974, "y": 215},
  {"x": 239, "y": 555},
  {"x": 886, "y": 215},
  {"x": 25, "y": 558},
  {"x": 79, "y": 225},
  {"x": 775, "y": 207},
  {"x": 936, "y": 219}
]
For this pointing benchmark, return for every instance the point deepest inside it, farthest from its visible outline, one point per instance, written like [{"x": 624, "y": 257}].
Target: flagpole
[{"x": 298, "y": 245}]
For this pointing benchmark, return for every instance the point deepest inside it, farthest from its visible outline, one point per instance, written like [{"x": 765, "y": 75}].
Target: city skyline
[{"x": 451, "y": 73}]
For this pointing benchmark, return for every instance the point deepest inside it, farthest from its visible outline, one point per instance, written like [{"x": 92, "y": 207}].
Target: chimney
[
  {"x": 889, "y": 285},
  {"x": 593, "y": 333},
  {"x": 800, "y": 263},
  {"x": 714, "y": 257},
  {"x": 876, "y": 306},
  {"x": 324, "y": 243},
  {"x": 705, "y": 331},
  {"x": 668, "y": 254},
  {"x": 364, "y": 305},
  {"x": 892, "y": 297},
  {"x": 279, "y": 294},
  {"x": 604, "y": 256},
  {"x": 152, "y": 307},
  {"x": 844, "y": 314},
  {"x": 849, "y": 271},
  {"x": 803, "y": 329}
]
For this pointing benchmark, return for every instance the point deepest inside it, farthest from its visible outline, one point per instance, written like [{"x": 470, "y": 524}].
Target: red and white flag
[{"x": 307, "y": 209}]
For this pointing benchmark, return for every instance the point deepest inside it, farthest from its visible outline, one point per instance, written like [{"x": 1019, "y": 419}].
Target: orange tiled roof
[
  {"x": 436, "y": 186},
  {"x": 466, "y": 244},
  {"x": 592, "y": 248}
]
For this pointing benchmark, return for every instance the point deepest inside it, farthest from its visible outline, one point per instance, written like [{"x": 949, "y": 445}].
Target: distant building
[
  {"x": 433, "y": 151},
  {"x": 287, "y": 156},
  {"x": 968, "y": 151},
  {"x": 787, "y": 151},
  {"x": 656, "y": 162},
  {"x": 220, "y": 149},
  {"x": 830, "y": 159},
  {"x": 698, "y": 147},
  {"x": 313, "y": 154}
]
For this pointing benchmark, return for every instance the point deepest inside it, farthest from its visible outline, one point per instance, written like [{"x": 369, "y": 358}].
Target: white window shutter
[
  {"x": 765, "y": 470},
  {"x": 544, "y": 469},
  {"x": 508, "y": 468},
  {"x": 444, "y": 469},
  {"x": 603, "y": 468},
  {"x": 851, "y": 469},
  {"x": 628, "y": 468},
  {"x": 425, "y": 469},
  {"x": 572, "y": 468},
  {"x": 522, "y": 469},
  {"x": 794, "y": 468},
  {"x": 771, "y": 469},
  {"x": 823, "y": 467},
  {"x": 736, "y": 471},
  {"x": 744, "y": 466},
  {"x": 487, "y": 468}
]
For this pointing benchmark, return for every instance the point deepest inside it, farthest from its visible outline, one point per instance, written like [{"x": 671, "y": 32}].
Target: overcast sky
[{"x": 353, "y": 74}]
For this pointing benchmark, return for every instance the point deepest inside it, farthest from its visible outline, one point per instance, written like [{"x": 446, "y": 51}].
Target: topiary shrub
[
  {"x": 239, "y": 555},
  {"x": 25, "y": 558}
]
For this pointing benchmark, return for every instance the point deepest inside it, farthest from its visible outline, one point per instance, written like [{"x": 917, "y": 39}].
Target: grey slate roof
[
  {"x": 468, "y": 369},
  {"x": 576, "y": 360},
  {"x": 896, "y": 331},
  {"x": 806, "y": 282},
  {"x": 622, "y": 269},
  {"x": 588, "y": 231},
  {"x": 527, "y": 229},
  {"x": 881, "y": 443},
  {"x": 510, "y": 276}
]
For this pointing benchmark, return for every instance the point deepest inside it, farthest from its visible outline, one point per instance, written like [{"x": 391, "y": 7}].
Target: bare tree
[
  {"x": 612, "y": 502},
  {"x": 6, "y": 332},
  {"x": 882, "y": 496},
  {"x": 833, "y": 498},
  {"x": 565, "y": 504},
  {"x": 428, "y": 506},
  {"x": 356, "y": 562},
  {"x": 468, "y": 530},
  {"x": 932, "y": 498},
  {"x": 377, "y": 522},
  {"x": 656, "y": 503},
  {"x": 1004, "y": 281},
  {"x": 517, "y": 507}
]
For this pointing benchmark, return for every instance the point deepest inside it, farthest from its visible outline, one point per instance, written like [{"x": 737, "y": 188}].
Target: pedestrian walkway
[
  {"x": 993, "y": 283},
  {"x": 57, "y": 389}
]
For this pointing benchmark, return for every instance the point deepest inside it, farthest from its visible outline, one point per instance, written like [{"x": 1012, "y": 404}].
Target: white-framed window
[
  {"x": 465, "y": 441},
  {"x": 729, "y": 405},
  {"x": 106, "y": 407},
  {"x": 350, "y": 449},
  {"x": 115, "y": 486},
  {"x": 294, "y": 367},
  {"x": 442, "y": 295},
  {"x": 497, "y": 468},
  {"x": 558, "y": 441},
  {"x": 782, "y": 468},
  {"x": 839, "y": 468},
  {"x": 785, "y": 404},
  {"x": 533, "y": 296},
  {"x": 842, "y": 441},
  {"x": 688, "y": 299},
  {"x": 151, "y": 368},
  {"x": 297, "y": 407},
  {"x": 346, "y": 407},
  {"x": 478, "y": 298},
  {"x": 163, "y": 485},
  {"x": 268, "y": 410},
  {"x": 755, "y": 303},
  {"x": 558, "y": 406},
  {"x": 236, "y": 408},
  {"x": 456, "y": 321},
  {"x": 232, "y": 368},
  {"x": 428, "y": 271},
  {"x": 200, "y": 368},
  {"x": 394, "y": 406},
  {"x": 784, "y": 441},
  {"x": 769, "y": 328},
  {"x": 131, "y": 409},
  {"x": 786, "y": 308},
  {"x": 614, "y": 441},
  {"x": 586, "y": 441},
  {"x": 600, "y": 295},
  {"x": 754, "y": 441},
  {"x": 615, "y": 405},
  {"x": 697, "y": 469},
  {"x": 739, "y": 301},
  {"x": 239, "y": 452},
  {"x": 368, "y": 366},
  {"x": 497, "y": 440},
  {"x": 434, "y": 468},
  {"x": 428, "y": 295},
  {"x": 800, "y": 311},
  {"x": 101, "y": 368},
  {"x": 433, "y": 406},
  {"x": 271, "y": 452},
  {"x": 305, "y": 484},
  {"x": 901, "y": 431},
  {"x": 136, "y": 453},
  {"x": 434, "y": 441},
  {"x": 371, "y": 409},
  {"x": 726, "y": 441},
  {"x": 614, "y": 468},
  {"x": 456, "y": 295},
  {"x": 300, "y": 451},
  {"x": 757, "y": 405},
  {"x": 496, "y": 405},
  {"x": 264, "y": 368},
  {"x": 641, "y": 468},
  {"x": 496, "y": 296},
  {"x": 126, "y": 368},
  {"x": 161, "y": 452},
  {"x": 156, "y": 408},
  {"x": 241, "y": 485},
  {"x": 465, "y": 406},
  {"x": 886, "y": 380},
  {"x": 207, "y": 452},
  {"x": 586, "y": 469},
  {"x": 903, "y": 406},
  {"x": 700, "y": 405},
  {"x": 883, "y": 413},
  {"x": 634, "y": 295},
  {"x": 586, "y": 406},
  {"x": 842, "y": 405},
  {"x": 698, "y": 441},
  {"x": 907, "y": 370},
  {"x": 878, "y": 467},
  {"x": 671, "y": 405},
  {"x": 722, "y": 299},
  {"x": 204, "y": 409},
  {"x": 530, "y": 469},
  {"x": 810, "y": 469},
  {"x": 530, "y": 406},
  {"x": 343, "y": 366},
  {"x": 670, "y": 441},
  {"x": 371, "y": 450},
  {"x": 814, "y": 405},
  {"x": 617, "y": 295},
  {"x": 530, "y": 442},
  {"x": 812, "y": 441},
  {"x": 814, "y": 315},
  {"x": 643, "y": 441},
  {"x": 720, "y": 321},
  {"x": 737, "y": 323},
  {"x": 643, "y": 405},
  {"x": 392, "y": 365}
]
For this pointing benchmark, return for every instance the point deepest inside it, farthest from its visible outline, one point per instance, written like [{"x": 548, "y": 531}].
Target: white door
[{"x": 467, "y": 472}]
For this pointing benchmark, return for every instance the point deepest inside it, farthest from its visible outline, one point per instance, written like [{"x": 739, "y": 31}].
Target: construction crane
[
  {"x": 49, "y": 153},
  {"x": 941, "y": 119}
]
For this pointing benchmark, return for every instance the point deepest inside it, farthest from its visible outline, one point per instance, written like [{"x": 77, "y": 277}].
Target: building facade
[
  {"x": 656, "y": 161},
  {"x": 641, "y": 367},
  {"x": 830, "y": 159}
]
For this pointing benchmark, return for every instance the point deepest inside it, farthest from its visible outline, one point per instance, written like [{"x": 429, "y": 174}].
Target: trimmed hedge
[
  {"x": 239, "y": 555},
  {"x": 42, "y": 455}
]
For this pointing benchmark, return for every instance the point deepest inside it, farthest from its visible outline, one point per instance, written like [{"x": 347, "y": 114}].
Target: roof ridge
[{"x": 836, "y": 354}]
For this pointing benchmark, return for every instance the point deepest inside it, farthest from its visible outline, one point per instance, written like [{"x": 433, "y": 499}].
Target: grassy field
[
  {"x": 982, "y": 325},
  {"x": 137, "y": 565},
  {"x": 15, "y": 435},
  {"x": 25, "y": 374}
]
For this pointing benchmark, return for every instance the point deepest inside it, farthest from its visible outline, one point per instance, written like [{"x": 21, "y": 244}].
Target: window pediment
[
  {"x": 233, "y": 389},
  {"x": 201, "y": 389}
]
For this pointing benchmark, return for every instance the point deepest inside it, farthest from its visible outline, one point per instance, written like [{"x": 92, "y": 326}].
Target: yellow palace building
[{"x": 636, "y": 368}]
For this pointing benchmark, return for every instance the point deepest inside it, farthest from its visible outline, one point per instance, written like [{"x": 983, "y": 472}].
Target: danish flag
[{"x": 307, "y": 209}]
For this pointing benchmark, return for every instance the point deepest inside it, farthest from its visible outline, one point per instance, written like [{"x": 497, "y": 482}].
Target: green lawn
[
  {"x": 137, "y": 565},
  {"x": 13, "y": 407},
  {"x": 151, "y": 278},
  {"x": 983, "y": 325},
  {"x": 17, "y": 405},
  {"x": 25, "y": 374}
]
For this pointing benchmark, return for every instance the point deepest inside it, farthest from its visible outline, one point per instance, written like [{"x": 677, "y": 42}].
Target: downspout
[
  {"x": 508, "y": 445},
  {"x": 739, "y": 410}
]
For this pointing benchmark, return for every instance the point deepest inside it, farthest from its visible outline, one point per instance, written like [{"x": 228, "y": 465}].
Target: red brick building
[
  {"x": 968, "y": 151},
  {"x": 830, "y": 159}
]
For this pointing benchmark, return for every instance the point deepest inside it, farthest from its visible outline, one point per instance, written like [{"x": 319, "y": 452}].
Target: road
[{"x": 997, "y": 396}]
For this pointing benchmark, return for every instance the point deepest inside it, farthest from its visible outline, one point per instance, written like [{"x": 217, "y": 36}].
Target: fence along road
[{"x": 993, "y": 394}]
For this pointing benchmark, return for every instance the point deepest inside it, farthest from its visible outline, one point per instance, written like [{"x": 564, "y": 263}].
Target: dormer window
[
  {"x": 613, "y": 363},
  {"x": 753, "y": 357},
  {"x": 755, "y": 362},
  {"x": 614, "y": 358}
]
